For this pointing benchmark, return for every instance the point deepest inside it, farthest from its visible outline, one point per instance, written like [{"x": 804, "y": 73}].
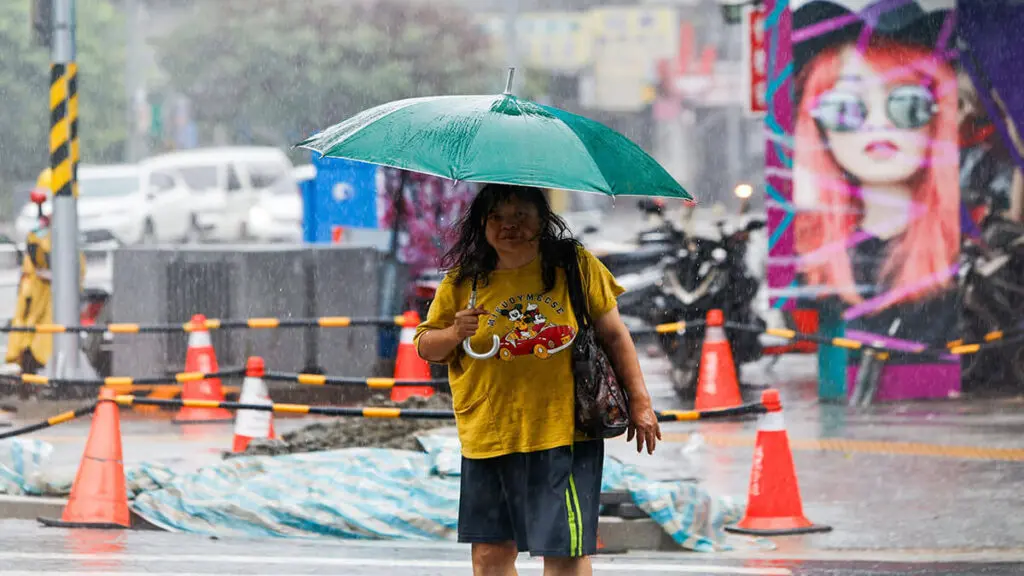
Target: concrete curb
[
  {"x": 619, "y": 534},
  {"x": 32, "y": 507}
]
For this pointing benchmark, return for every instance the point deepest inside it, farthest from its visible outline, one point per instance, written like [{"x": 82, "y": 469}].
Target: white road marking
[
  {"x": 538, "y": 568},
  {"x": 624, "y": 567}
]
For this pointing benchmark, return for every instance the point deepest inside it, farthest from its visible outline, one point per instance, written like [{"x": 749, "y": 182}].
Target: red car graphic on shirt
[{"x": 548, "y": 340}]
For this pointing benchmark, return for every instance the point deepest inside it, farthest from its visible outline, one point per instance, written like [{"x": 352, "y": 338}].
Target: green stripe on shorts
[
  {"x": 578, "y": 515},
  {"x": 574, "y": 536}
]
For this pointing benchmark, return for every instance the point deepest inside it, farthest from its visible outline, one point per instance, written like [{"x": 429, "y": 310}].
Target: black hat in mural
[{"x": 903, "y": 21}]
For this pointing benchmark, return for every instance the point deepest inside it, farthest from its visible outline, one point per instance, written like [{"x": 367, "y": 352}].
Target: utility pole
[{"x": 64, "y": 156}]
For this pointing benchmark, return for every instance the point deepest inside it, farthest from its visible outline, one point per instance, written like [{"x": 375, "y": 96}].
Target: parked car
[
  {"x": 229, "y": 182},
  {"x": 277, "y": 215},
  {"x": 125, "y": 204}
]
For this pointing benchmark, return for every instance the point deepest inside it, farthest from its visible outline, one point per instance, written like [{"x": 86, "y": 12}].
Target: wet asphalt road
[{"x": 31, "y": 549}]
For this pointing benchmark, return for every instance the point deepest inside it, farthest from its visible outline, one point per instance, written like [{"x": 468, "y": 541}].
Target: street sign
[{"x": 755, "y": 61}]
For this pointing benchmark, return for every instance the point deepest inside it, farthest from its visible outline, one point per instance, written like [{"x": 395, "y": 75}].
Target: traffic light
[{"x": 42, "y": 22}]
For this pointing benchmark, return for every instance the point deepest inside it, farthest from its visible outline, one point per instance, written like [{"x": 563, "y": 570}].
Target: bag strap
[{"x": 577, "y": 297}]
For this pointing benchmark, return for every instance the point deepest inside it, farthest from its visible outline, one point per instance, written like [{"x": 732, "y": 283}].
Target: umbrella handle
[{"x": 495, "y": 344}]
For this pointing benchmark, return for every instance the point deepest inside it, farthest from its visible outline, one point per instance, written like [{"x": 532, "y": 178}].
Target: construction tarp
[{"x": 360, "y": 493}]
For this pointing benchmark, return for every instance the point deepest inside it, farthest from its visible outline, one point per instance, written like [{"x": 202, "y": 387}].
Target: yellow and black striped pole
[
  {"x": 60, "y": 130},
  {"x": 64, "y": 156}
]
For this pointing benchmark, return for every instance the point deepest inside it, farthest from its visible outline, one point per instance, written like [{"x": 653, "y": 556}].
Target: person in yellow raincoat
[{"x": 31, "y": 350}]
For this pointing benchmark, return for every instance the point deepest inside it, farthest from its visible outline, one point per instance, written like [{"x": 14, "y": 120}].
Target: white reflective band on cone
[
  {"x": 772, "y": 422},
  {"x": 199, "y": 339},
  {"x": 253, "y": 423},
  {"x": 715, "y": 334},
  {"x": 406, "y": 336}
]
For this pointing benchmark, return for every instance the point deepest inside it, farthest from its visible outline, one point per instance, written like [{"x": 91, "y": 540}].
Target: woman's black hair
[{"x": 472, "y": 257}]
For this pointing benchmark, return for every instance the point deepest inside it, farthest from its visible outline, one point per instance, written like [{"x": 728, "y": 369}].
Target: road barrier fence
[{"x": 950, "y": 349}]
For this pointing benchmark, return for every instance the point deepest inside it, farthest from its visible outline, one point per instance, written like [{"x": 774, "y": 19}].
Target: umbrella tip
[{"x": 511, "y": 76}]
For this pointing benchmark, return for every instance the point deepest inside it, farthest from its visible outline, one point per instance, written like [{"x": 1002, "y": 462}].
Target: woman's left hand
[{"x": 643, "y": 423}]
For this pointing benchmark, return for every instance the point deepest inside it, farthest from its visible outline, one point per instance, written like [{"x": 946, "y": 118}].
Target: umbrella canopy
[{"x": 498, "y": 139}]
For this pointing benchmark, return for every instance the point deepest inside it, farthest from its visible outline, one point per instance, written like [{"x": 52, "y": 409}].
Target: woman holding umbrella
[{"x": 530, "y": 480}]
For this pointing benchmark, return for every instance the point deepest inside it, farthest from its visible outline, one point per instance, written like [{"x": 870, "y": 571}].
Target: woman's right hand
[{"x": 467, "y": 322}]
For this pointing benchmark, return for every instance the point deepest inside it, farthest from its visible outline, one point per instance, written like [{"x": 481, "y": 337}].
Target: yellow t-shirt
[{"x": 520, "y": 400}]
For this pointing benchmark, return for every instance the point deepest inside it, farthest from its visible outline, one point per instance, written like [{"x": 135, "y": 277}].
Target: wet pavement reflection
[{"x": 31, "y": 550}]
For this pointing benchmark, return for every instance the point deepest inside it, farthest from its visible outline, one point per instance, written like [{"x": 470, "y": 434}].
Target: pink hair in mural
[{"x": 876, "y": 156}]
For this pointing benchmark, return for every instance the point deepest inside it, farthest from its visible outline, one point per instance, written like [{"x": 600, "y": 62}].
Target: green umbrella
[{"x": 501, "y": 139}]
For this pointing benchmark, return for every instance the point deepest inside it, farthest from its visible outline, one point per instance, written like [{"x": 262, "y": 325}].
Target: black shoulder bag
[{"x": 602, "y": 408}]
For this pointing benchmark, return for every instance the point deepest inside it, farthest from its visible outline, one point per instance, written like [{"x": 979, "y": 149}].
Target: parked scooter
[
  {"x": 424, "y": 287},
  {"x": 991, "y": 285},
  {"x": 703, "y": 275},
  {"x": 98, "y": 346},
  {"x": 651, "y": 245}
]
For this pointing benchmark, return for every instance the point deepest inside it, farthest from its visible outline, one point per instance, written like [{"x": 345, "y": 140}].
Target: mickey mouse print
[{"x": 529, "y": 329}]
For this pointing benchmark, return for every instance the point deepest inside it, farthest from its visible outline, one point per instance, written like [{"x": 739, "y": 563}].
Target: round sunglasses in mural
[{"x": 908, "y": 107}]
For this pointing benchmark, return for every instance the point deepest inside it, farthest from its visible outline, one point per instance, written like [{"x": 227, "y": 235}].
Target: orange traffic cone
[
  {"x": 774, "y": 507},
  {"x": 99, "y": 498},
  {"x": 408, "y": 364},
  {"x": 200, "y": 357},
  {"x": 717, "y": 386},
  {"x": 253, "y": 423}
]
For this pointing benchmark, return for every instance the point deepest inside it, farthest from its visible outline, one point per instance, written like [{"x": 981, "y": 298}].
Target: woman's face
[
  {"x": 512, "y": 225},
  {"x": 879, "y": 152}
]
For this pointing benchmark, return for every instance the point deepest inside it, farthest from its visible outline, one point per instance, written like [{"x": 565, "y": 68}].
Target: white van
[
  {"x": 227, "y": 182},
  {"x": 126, "y": 204}
]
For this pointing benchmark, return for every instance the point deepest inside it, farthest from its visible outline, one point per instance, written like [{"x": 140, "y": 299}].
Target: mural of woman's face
[{"x": 878, "y": 131}]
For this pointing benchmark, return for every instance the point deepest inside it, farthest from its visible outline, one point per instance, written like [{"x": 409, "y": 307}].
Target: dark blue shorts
[{"x": 547, "y": 502}]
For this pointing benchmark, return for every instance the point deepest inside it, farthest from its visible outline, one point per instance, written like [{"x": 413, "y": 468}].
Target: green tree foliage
[
  {"x": 274, "y": 71},
  {"x": 25, "y": 81}
]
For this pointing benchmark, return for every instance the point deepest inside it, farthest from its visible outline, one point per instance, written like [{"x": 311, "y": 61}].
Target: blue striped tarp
[{"x": 362, "y": 493}]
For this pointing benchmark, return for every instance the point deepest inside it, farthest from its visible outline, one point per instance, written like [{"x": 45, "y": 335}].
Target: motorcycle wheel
[
  {"x": 685, "y": 359},
  {"x": 980, "y": 371}
]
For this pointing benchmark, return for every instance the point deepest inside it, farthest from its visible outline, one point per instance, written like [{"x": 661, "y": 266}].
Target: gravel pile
[{"x": 352, "y": 432}]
